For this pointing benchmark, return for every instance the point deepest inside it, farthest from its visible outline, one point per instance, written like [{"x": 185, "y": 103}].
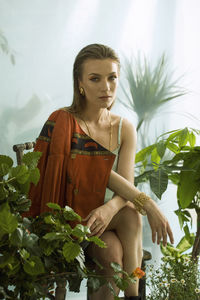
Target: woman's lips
[{"x": 105, "y": 97}]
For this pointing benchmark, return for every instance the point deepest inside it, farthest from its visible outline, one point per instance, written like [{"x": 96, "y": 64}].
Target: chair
[{"x": 60, "y": 292}]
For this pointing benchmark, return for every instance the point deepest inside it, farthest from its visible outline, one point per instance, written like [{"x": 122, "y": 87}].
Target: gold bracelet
[{"x": 139, "y": 202}]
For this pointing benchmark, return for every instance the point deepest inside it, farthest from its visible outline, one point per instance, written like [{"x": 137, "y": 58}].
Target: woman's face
[{"x": 99, "y": 81}]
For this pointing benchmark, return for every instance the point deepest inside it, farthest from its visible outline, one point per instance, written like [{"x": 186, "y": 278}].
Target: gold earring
[{"x": 82, "y": 91}]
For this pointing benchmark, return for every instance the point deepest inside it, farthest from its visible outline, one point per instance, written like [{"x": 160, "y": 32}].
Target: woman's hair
[{"x": 92, "y": 51}]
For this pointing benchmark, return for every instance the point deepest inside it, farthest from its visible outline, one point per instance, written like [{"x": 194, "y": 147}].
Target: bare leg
[
  {"x": 113, "y": 253},
  {"x": 127, "y": 227}
]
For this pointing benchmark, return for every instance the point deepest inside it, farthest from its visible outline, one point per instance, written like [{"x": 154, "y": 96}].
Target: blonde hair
[{"x": 92, "y": 51}]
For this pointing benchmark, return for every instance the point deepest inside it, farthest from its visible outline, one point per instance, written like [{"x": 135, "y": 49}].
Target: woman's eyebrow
[
  {"x": 94, "y": 74},
  {"x": 112, "y": 73}
]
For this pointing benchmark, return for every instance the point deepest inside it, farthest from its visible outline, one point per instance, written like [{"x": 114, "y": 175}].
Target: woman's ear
[{"x": 79, "y": 83}]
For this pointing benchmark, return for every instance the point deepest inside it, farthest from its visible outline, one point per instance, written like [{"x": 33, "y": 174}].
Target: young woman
[{"x": 86, "y": 148}]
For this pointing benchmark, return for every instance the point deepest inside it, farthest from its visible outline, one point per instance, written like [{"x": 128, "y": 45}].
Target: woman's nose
[{"x": 105, "y": 85}]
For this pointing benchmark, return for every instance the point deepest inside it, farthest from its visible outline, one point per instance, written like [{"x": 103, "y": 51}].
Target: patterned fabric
[
  {"x": 74, "y": 169},
  {"x": 46, "y": 131},
  {"x": 83, "y": 144}
]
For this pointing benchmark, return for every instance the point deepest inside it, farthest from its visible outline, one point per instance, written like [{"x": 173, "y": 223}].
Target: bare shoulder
[
  {"x": 115, "y": 119},
  {"x": 128, "y": 131}
]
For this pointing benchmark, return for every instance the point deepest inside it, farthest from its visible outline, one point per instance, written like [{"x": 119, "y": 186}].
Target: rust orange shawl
[{"x": 74, "y": 169}]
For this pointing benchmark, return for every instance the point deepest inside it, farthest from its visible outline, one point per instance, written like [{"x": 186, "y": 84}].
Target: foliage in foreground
[
  {"x": 176, "y": 278},
  {"x": 175, "y": 158},
  {"x": 35, "y": 253}
]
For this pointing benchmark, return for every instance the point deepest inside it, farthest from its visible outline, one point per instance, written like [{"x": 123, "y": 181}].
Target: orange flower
[{"x": 138, "y": 273}]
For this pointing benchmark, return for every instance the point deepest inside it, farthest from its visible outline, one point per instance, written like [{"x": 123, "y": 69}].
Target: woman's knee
[{"x": 130, "y": 219}]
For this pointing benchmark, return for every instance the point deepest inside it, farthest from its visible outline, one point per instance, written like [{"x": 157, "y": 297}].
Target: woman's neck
[{"x": 93, "y": 115}]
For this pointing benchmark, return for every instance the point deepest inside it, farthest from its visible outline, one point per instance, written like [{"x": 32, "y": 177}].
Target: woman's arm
[
  {"x": 126, "y": 162},
  {"x": 157, "y": 221}
]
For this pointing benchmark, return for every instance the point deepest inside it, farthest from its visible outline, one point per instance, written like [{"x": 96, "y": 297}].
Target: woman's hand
[
  {"x": 98, "y": 219},
  {"x": 158, "y": 223}
]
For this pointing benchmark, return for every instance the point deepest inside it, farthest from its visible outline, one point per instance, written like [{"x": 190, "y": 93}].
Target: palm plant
[{"x": 149, "y": 88}]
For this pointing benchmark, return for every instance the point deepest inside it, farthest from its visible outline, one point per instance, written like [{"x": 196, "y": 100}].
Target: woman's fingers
[
  {"x": 164, "y": 234},
  {"x": 159, "y": 235},
  {"x": 159, "y": 224},
  {"x": 153, "y": 235},
  {"x": 169, "y": 231}
]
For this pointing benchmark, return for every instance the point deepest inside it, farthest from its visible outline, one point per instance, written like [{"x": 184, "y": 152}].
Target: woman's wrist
[
  {"x": 141, "y": 202},
  {"x": 116, "y": 203}
]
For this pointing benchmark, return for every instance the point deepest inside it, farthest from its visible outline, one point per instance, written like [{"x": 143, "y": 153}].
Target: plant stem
[
  {"x": 72, "y": 274},
  {"x": 196, "y": 246},
  {"x": 7, "y": 181}
]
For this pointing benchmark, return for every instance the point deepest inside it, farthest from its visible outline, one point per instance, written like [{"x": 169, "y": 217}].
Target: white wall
[{"x": 45, "y": 37}]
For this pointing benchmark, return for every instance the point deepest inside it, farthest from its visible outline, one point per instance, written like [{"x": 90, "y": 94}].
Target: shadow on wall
[{"x": 17, "y": 124}]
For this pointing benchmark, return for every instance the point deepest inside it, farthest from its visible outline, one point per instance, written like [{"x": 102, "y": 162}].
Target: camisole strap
[{"x": 119, "y": 130}]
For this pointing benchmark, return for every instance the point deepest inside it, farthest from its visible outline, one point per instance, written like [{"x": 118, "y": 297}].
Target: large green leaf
[
  {"x": 4, "y": 159},
  {"x": 4, "y": 169},
  {"x": 174, "y": 136},
  {"x": 159, "y": 182},
  {"x": 34, "y": 176},
  {"x": 161, "y": 147},
  {"x": 51, "y": 236},
  {"x": 120, "y": 282},
  {"x": 80, "y": 230},
  {"x": 183, "y": 216},
  {"x": 21, "y": 173},
  {"x": 34, "y": 266},
  {"x": 54, "y": 206},
  {"x": 31, "y": 159},
  {"x": 71, "y": 251},
  {"x": 142, "y": 154},
  {"x": 70, "y": 215},
  {"x": 172, "y": 147},
  {"x": 155, "y": 158},
  {"x": 5, "y": 164},
  {"x": 183, "y": 137},
  {"x": 97, "y": 241},
  {"x": 188, "y": 185},
  {"x": 8, "y": 221},
  {"x": 169, "y": 250},
  {"x": 185, "y": 243},
  {"x": 192, "y": 139}
]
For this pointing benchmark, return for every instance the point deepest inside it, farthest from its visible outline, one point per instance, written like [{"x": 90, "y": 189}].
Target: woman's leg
[
  {"x": 127, "y": 224},
  {"x": 123, "y": 237},
  {"x": 113, "y": 253}
]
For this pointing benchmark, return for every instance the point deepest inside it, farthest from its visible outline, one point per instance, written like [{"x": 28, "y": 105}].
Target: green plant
[
  {"x": 176, "y": 278},
  {"x": 35, "y": 253},
  {"x": 182, "y": 169},
  {"x": 150, "y": 88}
]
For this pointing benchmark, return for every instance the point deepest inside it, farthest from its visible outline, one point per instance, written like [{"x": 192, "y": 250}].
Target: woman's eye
[
  {"x": 94, "y": 79},
  {"x": 113, "y": 77}
]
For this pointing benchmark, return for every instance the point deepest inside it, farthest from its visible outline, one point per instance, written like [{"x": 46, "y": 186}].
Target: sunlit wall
[{"x": 44, "y": 37}]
